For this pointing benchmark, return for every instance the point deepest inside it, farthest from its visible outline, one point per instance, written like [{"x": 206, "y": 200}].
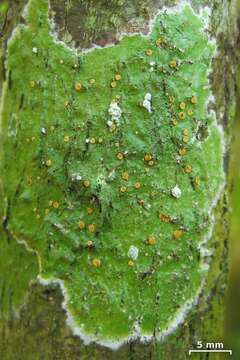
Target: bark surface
[{"x": 40, "y": 330}]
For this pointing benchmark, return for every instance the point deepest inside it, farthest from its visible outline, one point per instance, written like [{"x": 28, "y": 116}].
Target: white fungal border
[{"x": 189, "y": 304}]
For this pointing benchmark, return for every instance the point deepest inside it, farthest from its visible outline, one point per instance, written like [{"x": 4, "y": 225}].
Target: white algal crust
[
  {"x": 115, "y": 112},
  {"x": 176, "y": 192},
  {"x": 147, "y": 102},
  {"x": 189, "y": 304},
  {"x": 76, "y": 177},
  {"x": 133, "y": 252}
]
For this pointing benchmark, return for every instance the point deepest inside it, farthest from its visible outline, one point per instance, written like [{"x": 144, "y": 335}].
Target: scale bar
[{"x": 210, "y": 351}]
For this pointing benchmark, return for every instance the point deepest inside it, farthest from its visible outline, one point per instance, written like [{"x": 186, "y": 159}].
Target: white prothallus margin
[{"x": 181, "y": 314}]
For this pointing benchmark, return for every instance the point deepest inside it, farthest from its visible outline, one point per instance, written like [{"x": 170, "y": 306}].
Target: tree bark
[{"x": 40, "y": 330}]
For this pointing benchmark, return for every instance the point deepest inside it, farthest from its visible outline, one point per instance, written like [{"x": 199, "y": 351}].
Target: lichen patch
[{"x": 118, "y": 218}]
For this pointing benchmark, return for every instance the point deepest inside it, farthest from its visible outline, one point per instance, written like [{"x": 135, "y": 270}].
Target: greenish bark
[{"x": 40, "y": 330}]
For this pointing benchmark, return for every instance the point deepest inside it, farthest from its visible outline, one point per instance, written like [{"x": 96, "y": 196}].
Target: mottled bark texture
[{"x": 40, "y": 330}]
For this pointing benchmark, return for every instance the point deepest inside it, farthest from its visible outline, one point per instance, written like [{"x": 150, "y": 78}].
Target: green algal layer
[{"x": 110, "y": 165}]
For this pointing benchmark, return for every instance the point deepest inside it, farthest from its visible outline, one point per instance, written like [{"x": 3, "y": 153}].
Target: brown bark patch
[{"x": 83, "y": 23}]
